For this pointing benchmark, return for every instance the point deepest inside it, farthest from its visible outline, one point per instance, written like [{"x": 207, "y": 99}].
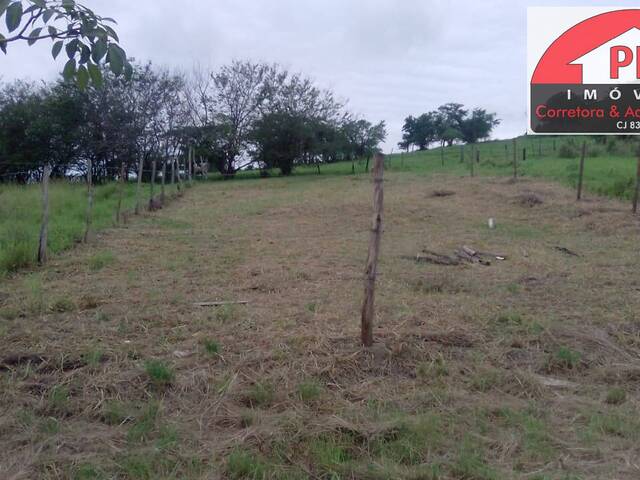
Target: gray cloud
[{"x": 390, "y": 58}]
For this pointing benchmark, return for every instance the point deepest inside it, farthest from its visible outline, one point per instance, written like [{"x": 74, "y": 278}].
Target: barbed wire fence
[{"x": 182, "y": 176}]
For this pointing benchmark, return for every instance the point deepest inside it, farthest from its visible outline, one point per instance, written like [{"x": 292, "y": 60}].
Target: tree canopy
[
  {"x": 240, "y": 115},
  {"x": 451, "y": 122}
]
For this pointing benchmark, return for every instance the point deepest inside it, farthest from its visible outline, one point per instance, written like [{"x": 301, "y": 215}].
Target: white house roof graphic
[{"x": 596, "y": 63}]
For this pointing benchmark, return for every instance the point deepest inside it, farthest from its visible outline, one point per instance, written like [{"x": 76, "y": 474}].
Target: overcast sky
[{"x": 389, "y": 58}]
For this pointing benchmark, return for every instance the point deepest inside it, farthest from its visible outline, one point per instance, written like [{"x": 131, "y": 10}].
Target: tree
[
  {"x": 478, "y": 126},
  {"x": 420, "y": 131},
  {"x": 87, "y": 38},
  {"x": 281, "y": 138}
]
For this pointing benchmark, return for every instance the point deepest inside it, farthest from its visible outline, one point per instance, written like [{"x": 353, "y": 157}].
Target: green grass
[
  {"x": 159, "y": 372},
  {"x": 21, "y": 212},
  {"x": 211, "y": 347},
  {"x": 609, "y": 168}
]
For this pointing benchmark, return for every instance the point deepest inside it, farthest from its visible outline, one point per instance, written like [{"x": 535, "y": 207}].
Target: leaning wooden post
[
  {"x": 581, "y": 172},
  {"x": 121, "y": 193},
  {"x": 368, "y": 311},
  {"x": 139, "y": 186},
  {"x": 44, "y": 226},
  {"x": 515, "y": 159},
  {"x": 164, "y": 175},
  {"x": 153, "y": 184},
  {"x": 637, "y": 192},
  {"x": 87, "y": 229}
]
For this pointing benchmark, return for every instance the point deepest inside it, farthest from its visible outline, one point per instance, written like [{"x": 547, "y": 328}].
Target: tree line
[
  {"x": 446, "y": 125},
  {"x": 242, "y": 115}
]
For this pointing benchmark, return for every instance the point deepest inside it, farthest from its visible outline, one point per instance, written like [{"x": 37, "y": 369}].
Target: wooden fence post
[
  {"x": 44, "y": 226},
  {"x": 139, "y": 186},
  {"x": 515, "y": 158},
  {"x": 153, "y": 184},
  {"x": 121, "y": 193},
  {"x": 472, "y": 159},
  {"x": 190, "y": 166},
  {"x": 179, "y": 175},
  {"x": 637, "y": 192},
  {"x": 524, "y": 154},
  {"x": 478, "y": 155},
  {"x": 164, "y": 176},
  {"x": 368, "y": 310},
  {"x": 581, "y": 172},
  {"x": 87, "y": 229}
]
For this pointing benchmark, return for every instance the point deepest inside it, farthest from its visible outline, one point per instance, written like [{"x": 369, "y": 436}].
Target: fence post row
[
  {"x": 44, "y": 225},
  {"x": 121, "y": 193},
  {"x": 637, "y": 192},
  {"x": 87, "y": 230},
  {"x": 515, "y": 158},
  {"x": 153, "y": 183},
  {"x": 368, "y": 310},
  {"x": 581, "y": 173},
  {"x": 162, "y": 185},
  {"x": 139, "y": 186}
]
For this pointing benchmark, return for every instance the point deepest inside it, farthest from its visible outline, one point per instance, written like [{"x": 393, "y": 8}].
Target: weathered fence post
[
  {"x": 472, "y": 160},
  {"x": 190, "y": 166},
  {"x": 139, "y": 186},
  {"x": 581, "y": 172},
  {"x": 515, "y": 158},
  {"x": 637, "y": 192},
  {"x": 153, "y": 184},
  {"x": 121, "y": 193},
  {"x": 368, "y": 310},
  {"x": 478, "y": 155},
  {"x": 179, "y": 176},
  {"x": 164, "y": 176},
  {"x": 44, "y": 226},
  {"x": 87, "y": 229},
  {"x": 524, "y": 154}
]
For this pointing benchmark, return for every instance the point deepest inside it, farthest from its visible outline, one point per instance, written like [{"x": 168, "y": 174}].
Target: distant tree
[
  {"x": 420, "y": 131},
  {"x": 280, "y": 140},
  {"x": 86, "y": 37},
  {"x": 450, "y": 122},
  {"x": 478, "y": 126}
]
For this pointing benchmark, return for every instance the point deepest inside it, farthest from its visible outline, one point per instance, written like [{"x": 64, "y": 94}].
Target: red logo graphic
[{"x": 602, "y": 49}]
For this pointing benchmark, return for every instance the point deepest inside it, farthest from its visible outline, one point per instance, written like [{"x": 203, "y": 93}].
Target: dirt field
[{"x": 525, "y": 369}]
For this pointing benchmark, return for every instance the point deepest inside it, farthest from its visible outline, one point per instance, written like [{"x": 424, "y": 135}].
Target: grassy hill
[
  {"x": 524, "y": 369},
  {"x": 609, "y": 171}
]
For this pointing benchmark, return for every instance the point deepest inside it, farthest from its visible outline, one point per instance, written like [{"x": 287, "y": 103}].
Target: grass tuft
[{"x": 159, "y": 372}]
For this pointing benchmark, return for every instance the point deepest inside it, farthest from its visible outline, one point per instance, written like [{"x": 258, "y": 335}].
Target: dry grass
[{"x": 480, "y": 372}]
